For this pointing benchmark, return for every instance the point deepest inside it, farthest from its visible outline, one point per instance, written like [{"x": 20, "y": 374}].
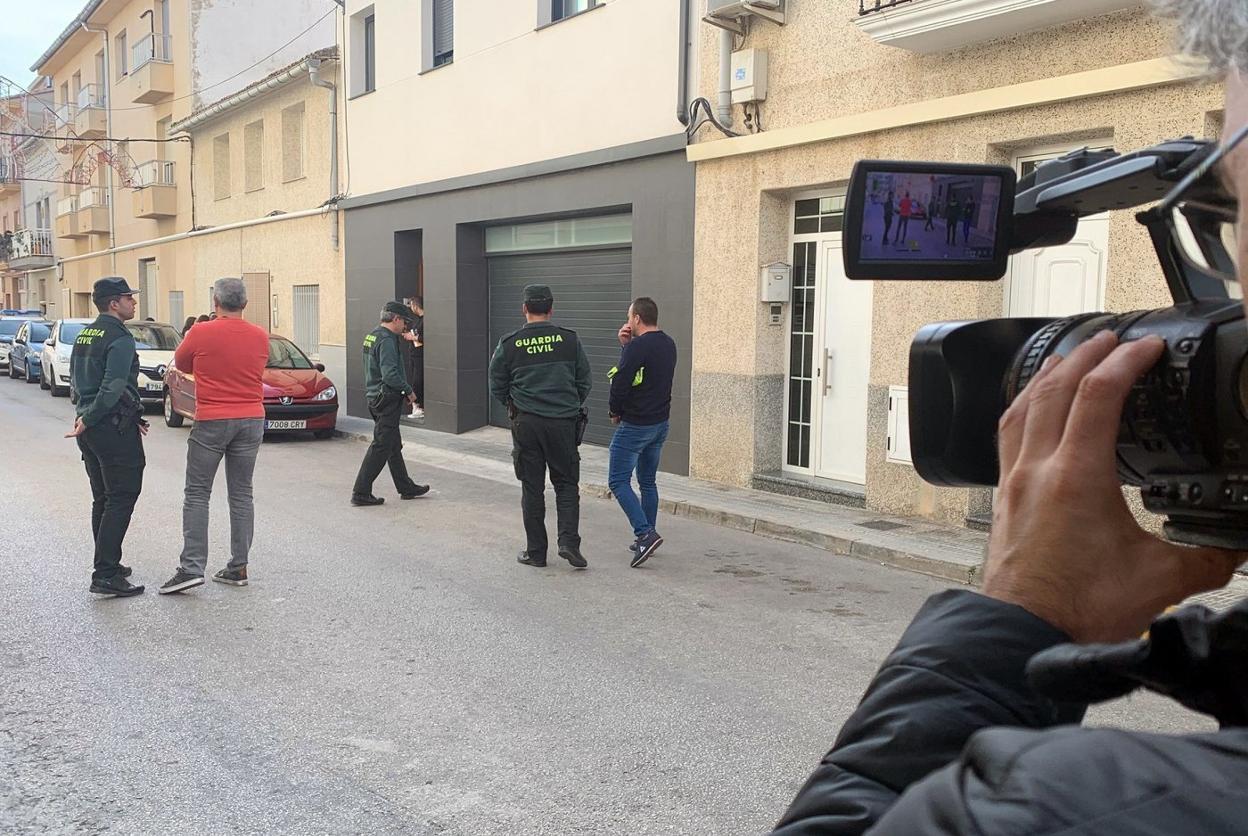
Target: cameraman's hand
[{"x": 1064, "y": 544}]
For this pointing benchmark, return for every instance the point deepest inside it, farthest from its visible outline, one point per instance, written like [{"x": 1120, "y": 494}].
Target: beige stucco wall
[
  {"x": 135, "y": 121},
  {"x": 823, "y": 66},
  {"x": 513, "y": 95}
]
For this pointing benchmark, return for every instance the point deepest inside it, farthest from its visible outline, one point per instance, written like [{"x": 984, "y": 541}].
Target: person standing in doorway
[
  {"x": 227, "y": 356},
  {"x": 541, "y": 374},
  {"x": 640, "y": 405},
  {"x": 386, "y": 387},
  {"x": 109, "y": 428},
  {"x": 415, "y": 340}
]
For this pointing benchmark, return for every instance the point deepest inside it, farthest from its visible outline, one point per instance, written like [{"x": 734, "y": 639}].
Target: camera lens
[{"x": 1060, "y": 337}]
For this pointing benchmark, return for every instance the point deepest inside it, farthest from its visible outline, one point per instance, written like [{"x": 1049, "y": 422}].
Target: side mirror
[
  {"x": 320, "y": 367},
  {"x": 49, "y": 342}
]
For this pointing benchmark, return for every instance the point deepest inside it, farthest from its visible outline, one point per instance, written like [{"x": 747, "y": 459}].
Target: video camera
[{"x": 1183, "y": 437}]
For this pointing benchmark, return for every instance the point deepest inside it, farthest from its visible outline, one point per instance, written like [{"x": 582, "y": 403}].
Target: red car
[{"x": 297, "y": 395}]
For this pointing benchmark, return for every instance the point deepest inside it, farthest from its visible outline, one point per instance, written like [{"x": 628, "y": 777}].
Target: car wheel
[
  {"x": 322, "y": 434},
  {"x": 29, "y": 378},
  {"x": 172, "y": 419},
  {"x": 12, "y": 370},
  {"x": 44, "y": 377}
]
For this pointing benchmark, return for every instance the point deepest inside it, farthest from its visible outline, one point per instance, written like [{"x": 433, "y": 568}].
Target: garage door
[{"x": 592, "y": 291}]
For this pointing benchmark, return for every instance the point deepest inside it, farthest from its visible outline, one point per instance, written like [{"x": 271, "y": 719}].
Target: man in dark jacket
[
  {"x": 387, "y": 388},
  {"x": 968, "y": 726},
  {"x": 640, "y": 405},
  {"x": 109, "y": 428},
  {"x": 541, "y": 374}
]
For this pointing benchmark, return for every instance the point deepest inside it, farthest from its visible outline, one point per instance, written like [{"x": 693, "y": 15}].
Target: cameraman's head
[{"x": 1217, "y": 31}]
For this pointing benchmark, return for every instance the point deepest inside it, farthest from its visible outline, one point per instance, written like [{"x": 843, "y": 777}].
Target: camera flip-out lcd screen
[{"x": 907, "y": 221}]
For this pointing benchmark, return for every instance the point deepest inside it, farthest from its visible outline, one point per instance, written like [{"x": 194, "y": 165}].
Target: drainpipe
[
  {"x": 724, "y": 111},
  {"x": 108, "y": 121},
  {"x": 314, "y": 68},
  {"x": 682, "y": 63}
]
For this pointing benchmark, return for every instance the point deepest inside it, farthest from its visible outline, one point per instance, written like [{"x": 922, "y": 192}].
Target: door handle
[{"x": 827, "y": 371}]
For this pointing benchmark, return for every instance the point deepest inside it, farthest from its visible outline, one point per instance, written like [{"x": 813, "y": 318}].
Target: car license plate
[
  {"x": 155, "y": 387},
  {"x": 285, "y": 425}
]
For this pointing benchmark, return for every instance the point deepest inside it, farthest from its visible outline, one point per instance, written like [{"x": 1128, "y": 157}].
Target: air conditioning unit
[{"x": 733, "y": 14}]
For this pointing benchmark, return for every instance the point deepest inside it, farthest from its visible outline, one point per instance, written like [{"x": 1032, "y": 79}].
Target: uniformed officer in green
[
  {"x": 103, "y": 381},
  {"x": 387, "y": 387},
  {"x": 542, "y": 375}
]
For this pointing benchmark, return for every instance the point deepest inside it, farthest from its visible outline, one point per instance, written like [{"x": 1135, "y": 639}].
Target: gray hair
[
  {"x": 230, "y": 293},
  {"x": 387, "y": 316},
  {"x": 1215, "y": 30}
]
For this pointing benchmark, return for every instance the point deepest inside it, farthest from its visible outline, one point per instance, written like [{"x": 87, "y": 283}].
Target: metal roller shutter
[{"x": 592, "y": 291}]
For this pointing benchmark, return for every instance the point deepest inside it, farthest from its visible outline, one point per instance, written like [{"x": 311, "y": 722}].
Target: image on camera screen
[{"x": 918, "y": 216}]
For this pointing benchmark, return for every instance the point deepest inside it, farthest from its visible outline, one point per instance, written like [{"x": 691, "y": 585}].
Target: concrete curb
[{"x": 762, "y": 527}]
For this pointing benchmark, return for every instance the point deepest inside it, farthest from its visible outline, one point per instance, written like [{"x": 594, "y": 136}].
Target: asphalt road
[{"x": 393, "y": 670}]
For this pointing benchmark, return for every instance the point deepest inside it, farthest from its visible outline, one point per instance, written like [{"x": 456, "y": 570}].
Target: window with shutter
[{"x": 443, "y": 32}]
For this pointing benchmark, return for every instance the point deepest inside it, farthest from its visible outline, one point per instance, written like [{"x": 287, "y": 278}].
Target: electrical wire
[
  {"x": 695, "y": 123},
  {"x": 97, "y": 139}
]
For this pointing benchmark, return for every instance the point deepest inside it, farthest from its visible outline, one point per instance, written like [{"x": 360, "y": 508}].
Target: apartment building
[
  {"x": 816, "y": 383},
  {"x": 28, "y": 190},
  {"x": 495, "y": 144},
  {"x": 266, "y": 159}
]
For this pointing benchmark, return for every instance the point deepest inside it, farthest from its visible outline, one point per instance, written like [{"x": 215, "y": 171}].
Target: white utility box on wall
[
  {"x": 749, "y": 76},
  {"x": 898, "y": 450},
  {"x": 774, "y": 285}
]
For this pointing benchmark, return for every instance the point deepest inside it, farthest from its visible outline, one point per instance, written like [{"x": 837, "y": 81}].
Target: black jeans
[
  {"x": 387, "y": 448},
  {"x": 539, "y": 443},
  {"x": 114, "y": 460},
  {"x": 418, "y": 375}
]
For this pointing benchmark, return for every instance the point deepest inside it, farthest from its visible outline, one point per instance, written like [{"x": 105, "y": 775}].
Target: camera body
[{"x": 1183, "y": 437}]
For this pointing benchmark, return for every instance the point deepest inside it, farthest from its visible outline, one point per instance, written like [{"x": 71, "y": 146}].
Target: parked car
[
  {"x": 8, "y": 330},
  {"x": 156, "y": 342},
  {"x": 25, "y": 350},
  {"x": 297, "y": 394},
  {"x": 54, "y": 358}
]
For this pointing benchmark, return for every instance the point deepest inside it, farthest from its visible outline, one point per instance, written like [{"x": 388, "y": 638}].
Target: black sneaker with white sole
[
  {"x": 116, "y": 586},
  {"x": 180, "y": 582},
  {"x": 234, "y": 577},
  {"x": 647, "y": 544}
]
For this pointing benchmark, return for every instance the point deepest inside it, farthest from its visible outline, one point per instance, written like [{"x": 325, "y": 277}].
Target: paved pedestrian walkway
[{"x": 945, "y": 551}]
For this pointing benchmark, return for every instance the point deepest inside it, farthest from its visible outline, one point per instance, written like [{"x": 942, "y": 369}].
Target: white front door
[
  {"x": 1062, "y": 281},
  {"x": 843, "y": 364}
]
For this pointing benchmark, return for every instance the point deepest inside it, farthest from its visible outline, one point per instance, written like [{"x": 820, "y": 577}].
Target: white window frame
[
  {"x": 429, "y": 61},
  {"x": 546, "y": 11}
]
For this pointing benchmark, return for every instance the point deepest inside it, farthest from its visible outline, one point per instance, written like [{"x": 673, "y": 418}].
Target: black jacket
[{"x": 959, "y": 734}]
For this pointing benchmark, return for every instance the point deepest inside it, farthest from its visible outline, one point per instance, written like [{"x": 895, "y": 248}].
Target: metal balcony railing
[
  {"x": 31, "y": 243},
  {"x": 91, "y": 95},
  {"x": 8, "y": 170},
  {"x": 65, "y": 114},
  {"x": 866, "y": 7},
  {"x": 152, "y": 47},
  {"x": 94, "y": 196},
  {"x": 154, "y": 173},
  {"x": 67, "y": 205}
]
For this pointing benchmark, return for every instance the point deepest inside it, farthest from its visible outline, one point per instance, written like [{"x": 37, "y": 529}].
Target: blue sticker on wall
[{"x": 741, "y": 74}]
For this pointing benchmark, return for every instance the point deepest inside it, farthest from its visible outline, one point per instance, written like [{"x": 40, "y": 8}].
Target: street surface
[{"x": 393, "y": 670}]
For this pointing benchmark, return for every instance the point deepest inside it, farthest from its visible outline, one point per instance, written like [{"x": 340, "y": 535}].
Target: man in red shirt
[{"x": 227, "y": 356}]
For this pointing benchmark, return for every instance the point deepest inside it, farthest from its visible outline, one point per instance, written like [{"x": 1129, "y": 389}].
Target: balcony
[
  {"x": 157, "y": 192},
  {"x": 9, "y": 174},
  {"x": 90, "y": 116},
  {"x": 931, "y": 26},
  {"x": 151, "y": 79},
  {"x": 67, "y": 218},
  {"x": 93, "y": 211},
  {"x": 31, "y": 249}
]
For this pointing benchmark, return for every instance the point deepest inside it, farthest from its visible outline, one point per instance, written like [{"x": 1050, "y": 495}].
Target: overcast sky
[{"x": 25, "y": 36}]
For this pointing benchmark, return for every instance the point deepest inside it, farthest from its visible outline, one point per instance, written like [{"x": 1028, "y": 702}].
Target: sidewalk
[{"x": 918, "y": 545}]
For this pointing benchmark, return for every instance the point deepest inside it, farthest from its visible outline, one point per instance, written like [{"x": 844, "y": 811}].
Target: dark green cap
[
  {"x": 111, "y": 286},
  {"x": 537, "y": 293},
  {"x": 398, "y": 309}
]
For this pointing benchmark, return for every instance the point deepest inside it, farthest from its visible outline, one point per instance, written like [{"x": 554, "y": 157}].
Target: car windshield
[
  {"x": 69, "y": 331},
  {"x": 149, "y": 336},
  {"x": 8, "y": 327},
  {"x": 283, "y": 354},
  {"x": 39, "y": 331}
]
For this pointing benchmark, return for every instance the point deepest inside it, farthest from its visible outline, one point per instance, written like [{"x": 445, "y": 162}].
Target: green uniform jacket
[
  {"x": 383, "y": 364},
  {"x": 104, "y": 370},
  {"x": 542, "y": 369}
]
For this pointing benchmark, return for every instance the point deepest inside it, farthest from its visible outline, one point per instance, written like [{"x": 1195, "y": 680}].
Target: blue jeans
[{"x": 637, "y": 447}]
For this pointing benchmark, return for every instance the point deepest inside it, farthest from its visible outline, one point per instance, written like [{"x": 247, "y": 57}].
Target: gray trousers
[{"x": 238, "y": 440}]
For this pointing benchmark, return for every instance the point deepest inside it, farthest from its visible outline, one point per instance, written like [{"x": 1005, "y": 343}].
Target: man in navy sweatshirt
[{"x": 641, "y": 401}]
